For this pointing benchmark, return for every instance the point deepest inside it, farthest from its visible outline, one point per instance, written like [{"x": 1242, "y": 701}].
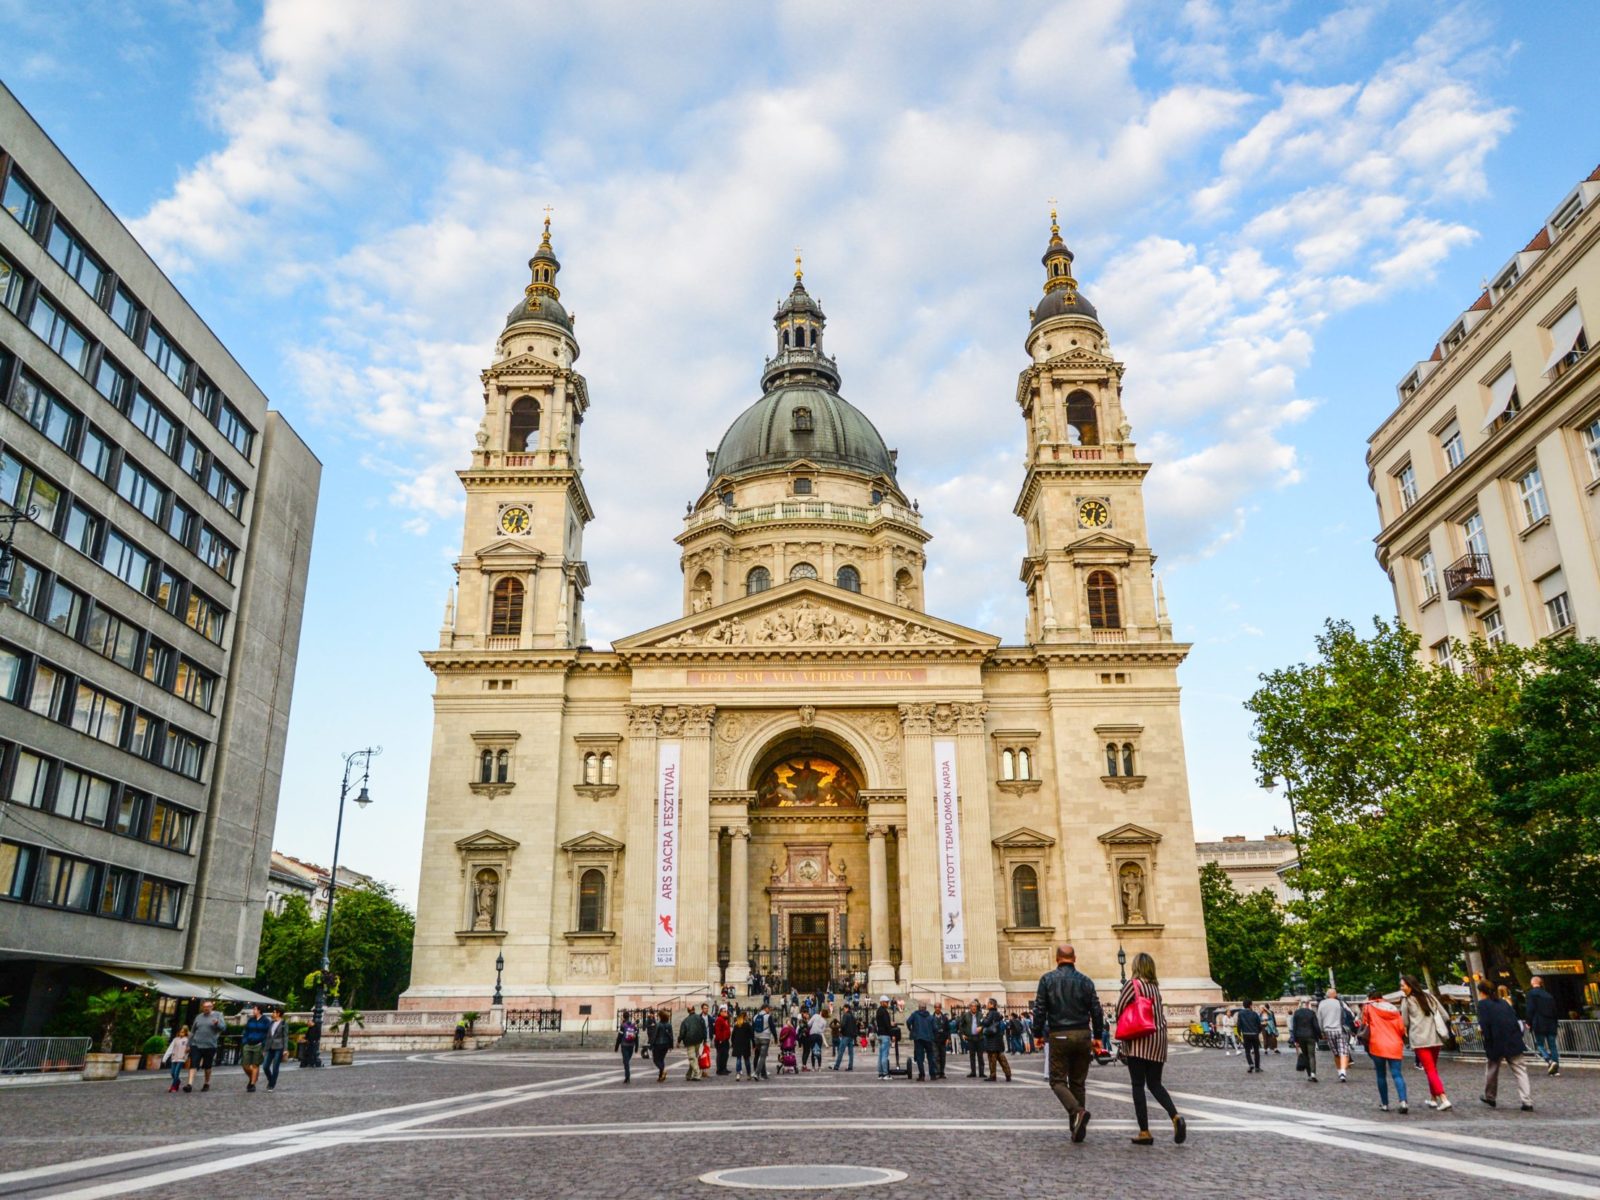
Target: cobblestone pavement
[{"x": 563, "y": 1124}]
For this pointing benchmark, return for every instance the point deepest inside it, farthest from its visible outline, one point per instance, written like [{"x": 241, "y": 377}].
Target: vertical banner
[
  {"x": 944, "y": 789},
  {"x": 667, "y": 822}
]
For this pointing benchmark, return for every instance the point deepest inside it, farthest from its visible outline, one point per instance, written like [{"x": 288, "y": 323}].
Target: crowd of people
[{"x": 808, "y": 1032}]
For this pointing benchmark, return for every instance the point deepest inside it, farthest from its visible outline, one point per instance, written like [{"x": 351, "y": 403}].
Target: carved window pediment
[
  {"x": 1023, "y": 838},
  {"x": 1130, "y": 835}
]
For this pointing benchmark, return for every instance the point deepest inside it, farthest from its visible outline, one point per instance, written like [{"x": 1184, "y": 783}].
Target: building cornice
[
  {"x": 1077, "y": 471},
  {"x": 570, "y": 478}
]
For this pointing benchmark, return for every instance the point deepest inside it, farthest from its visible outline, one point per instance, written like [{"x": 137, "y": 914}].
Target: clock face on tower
[
  {"x": 1093, "y": 514},
  {"x": 515, "y": 520}
]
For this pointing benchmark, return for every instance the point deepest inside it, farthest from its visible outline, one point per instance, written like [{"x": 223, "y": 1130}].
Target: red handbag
[
  {"x": 705, "y": 1055},
  {"x": 1138, "y": 1019}
]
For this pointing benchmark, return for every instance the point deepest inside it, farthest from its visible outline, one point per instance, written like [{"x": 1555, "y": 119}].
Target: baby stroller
[{"x": 788, "y": 1039}]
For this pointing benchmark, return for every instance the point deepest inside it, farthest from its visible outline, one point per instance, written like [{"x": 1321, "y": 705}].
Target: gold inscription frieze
[{"x": 806, "y": 677}]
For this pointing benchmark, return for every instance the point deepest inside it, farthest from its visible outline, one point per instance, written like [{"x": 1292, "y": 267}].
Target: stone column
[
  {"x": 880, "y": 970},
  {"x": 902, "y": 858},
  {"x": 639, "y": 908},
  {"x": 714, "y": 896},
  {"x": 693, "y": 723},
  {"x": 922, "y": 837},
  {"x": 739, "y": 905},
  {"x": 977, "y": 851}
]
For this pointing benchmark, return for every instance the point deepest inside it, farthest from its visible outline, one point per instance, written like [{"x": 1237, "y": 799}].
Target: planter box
[
  {"x": 102, "y": 1066},
  {"x": 343, "y": 1056},
  {"x": 152, "y": 1062},
  {"x": 130, "y": 1062}
]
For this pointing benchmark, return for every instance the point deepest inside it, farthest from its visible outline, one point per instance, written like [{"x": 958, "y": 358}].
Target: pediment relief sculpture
[{"x": 810, "y": 624}]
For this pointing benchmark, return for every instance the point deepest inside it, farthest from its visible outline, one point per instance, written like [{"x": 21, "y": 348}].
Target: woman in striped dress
[{"x": 1147, "y": 1055}]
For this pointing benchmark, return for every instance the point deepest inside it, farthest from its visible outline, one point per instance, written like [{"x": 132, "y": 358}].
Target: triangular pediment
[
  {"x": 591, "y": 841},
  {"x": 1130, "y": 835},
  {"x": 522, "y": 364},
  {"x": 1079, "y": 356},
  {"x": 506, "y": 548},
  {"x": 487, "y": 839},
  {"x": 1101, "y": 542},
  {"x": 805, "y": 614},
  {"x": 1023, "y": 838}
]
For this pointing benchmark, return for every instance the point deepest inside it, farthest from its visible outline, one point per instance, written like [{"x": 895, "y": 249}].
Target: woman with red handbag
[{"x": 1142, "y": 1035}]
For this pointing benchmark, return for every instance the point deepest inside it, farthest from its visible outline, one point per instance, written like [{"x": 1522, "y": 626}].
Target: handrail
[{"x": 583, "y": 1033}]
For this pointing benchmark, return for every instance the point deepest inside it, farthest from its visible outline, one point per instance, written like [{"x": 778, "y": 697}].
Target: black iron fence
[{"x": 533, "y": 1020}]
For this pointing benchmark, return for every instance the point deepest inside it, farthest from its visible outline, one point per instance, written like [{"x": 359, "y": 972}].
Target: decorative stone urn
[{"x": 343, "y": 1056}]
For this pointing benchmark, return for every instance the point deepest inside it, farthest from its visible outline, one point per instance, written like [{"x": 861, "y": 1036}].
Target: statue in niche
[
  {"x": 902, "y": 597},
  {"x": 700, "y": 601},
  {"x": 1132, "y": 895},
  {"x": 486, "y": 887}
]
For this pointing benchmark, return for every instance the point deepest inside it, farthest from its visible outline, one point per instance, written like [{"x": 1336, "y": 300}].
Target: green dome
[
  {"x": 765, "y": 436},
  {"x": 539, "y": 306}
]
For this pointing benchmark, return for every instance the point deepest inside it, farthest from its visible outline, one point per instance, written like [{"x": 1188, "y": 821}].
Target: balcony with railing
[
  {"x": 1469, "y": 575},
  {"x": 805, "y": 510}
]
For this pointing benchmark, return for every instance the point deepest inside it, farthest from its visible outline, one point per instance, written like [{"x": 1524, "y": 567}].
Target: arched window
[
  {"x": 759, "y": 580},
  {"x": 1111, "y": 758},
  {"x": 505, "y": 616},
  {"x": 591, "y": 901},
  {"x": 848, "y": 578},
  {"x": 1024, "y": 767},
  {"x": 786, "y": 338},
  {"x": 1127, "y": 758},
  {"x": 1025, "y": 897},
  {"x": 502, "y": 766},
  {"x": 1104, "y": 612},
  {"x": 523, "y": 434},
  {"x": 608, "y": 769},
  {"x": 1081, "y": 419},
  {"x": 802, "y": 571},
  {"x": 486, "y": 767},
  {"x": 591, "y": 768},
  {"x": 1008, "y": 765}
]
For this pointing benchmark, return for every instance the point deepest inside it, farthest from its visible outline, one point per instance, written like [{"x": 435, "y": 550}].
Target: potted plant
[
  {"x": 344, "y": 1054},
  {"x": 107, "y": 1011},
  {"x": 154, "y": 1047}
]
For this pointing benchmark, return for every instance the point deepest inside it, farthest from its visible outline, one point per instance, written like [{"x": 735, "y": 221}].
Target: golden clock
[
  {"x": 515, "y": 520},
  {"x": 1093, "y": 514}
]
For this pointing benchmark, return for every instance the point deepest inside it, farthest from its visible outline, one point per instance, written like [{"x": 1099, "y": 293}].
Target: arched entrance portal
[{"x": 808, "y": 826}]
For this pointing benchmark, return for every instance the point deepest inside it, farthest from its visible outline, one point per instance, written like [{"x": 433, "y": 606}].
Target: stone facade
[
  {"x": 856, "y": 790},
  {"x": 1252, "y": 864}
]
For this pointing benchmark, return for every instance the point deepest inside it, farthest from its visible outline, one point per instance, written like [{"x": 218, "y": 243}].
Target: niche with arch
[
  {"x": 485, "y": 880},
  {"x": 1083, "y": 427}
]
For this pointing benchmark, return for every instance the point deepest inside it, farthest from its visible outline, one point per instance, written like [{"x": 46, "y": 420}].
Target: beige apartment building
[
  {"x": 1252, "y": 864},
  {"x": 1487, "y": 474},
  {"x": 802, "y": 774}
]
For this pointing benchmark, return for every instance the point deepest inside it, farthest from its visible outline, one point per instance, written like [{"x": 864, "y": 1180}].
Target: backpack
[
  {"x": 630, "y": 1033},
  {"x": 763, "y": 1024}
]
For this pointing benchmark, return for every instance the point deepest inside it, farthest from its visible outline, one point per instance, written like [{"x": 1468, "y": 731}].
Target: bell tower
[
  {"x": 521, "y": 575},
  {"x": 1088, "y": 568}
]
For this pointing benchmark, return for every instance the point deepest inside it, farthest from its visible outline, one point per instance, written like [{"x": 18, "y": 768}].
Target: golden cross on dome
[{"x": 798, "y": 273}]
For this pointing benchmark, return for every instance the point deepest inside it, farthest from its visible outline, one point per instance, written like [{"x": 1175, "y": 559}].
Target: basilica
[{"x": 803, "y": 775}]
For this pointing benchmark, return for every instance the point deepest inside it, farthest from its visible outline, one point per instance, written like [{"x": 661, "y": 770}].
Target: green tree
[
  {"x": 1396, "y": 828},
  {"x": 1245, "y": 938},
  {"x": 1542, "y": 766},
  {"x": 291, "y": 948},
  {"x": 371, "y": 953}
]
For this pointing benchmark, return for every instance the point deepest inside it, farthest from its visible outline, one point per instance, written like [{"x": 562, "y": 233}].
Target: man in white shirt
[
  {"x": 818, "y": 1028},
  {"x": 1330, "y": 1016}
]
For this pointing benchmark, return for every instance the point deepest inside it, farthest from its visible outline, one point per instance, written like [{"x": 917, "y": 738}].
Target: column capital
[
  {"x": 878, "y": 831},
  {"x": 741, "y": 832},
  {"x": 917, "y": 719},
  {"x": 643, "y": 718},
  {"x": 687, "y": 720},
  {"x": 969, "y": 717}
]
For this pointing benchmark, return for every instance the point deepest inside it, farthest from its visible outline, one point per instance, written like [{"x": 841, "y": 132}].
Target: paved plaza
[{"x": 562, "y": 1124}]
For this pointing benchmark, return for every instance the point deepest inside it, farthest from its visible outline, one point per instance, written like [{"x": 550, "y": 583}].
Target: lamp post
[
  {"x": 1122, "y": 965},
  {"x": 313, "y": 1053},
  {"x": 1269, "y": 781},
  {"x": 499, "y": 967},
  {"x": 11, "y": 519}
]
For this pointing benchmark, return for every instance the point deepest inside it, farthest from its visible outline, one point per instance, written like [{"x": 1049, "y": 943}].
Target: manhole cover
[{"x": 802, "y": 1177}]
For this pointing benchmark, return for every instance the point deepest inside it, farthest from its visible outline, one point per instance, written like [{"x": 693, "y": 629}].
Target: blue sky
[{"x": 1276, "y": 207}]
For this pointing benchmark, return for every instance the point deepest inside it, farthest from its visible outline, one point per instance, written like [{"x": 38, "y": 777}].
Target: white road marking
[{"x": 230, "y": 1141}]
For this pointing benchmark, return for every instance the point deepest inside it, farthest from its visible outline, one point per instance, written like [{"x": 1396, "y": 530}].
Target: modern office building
[
  {"x": 162, "y": 519},
  {"x": 1487, "y": 474}
]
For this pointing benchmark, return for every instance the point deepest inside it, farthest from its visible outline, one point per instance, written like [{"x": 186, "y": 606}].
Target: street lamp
[
  {"x": 1269, "y": 781},
  {"x": 10, "y": 520},
  {"x": 1122, "y": 965},
  {"x": 499, "y": 966},
  {"x": 312, "y": 1057}
]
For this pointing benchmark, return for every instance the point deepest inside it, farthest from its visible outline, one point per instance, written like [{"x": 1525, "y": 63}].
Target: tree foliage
[
  {"x": 369, "y": 956},
  {"x": 1396, "y": 825},
  {"x": 1244, "y": 937},
  {"x": 1542, "y": 767}
]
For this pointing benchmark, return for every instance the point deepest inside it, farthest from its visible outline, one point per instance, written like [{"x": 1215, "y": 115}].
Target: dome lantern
[{"x": 1061, "y": 295}]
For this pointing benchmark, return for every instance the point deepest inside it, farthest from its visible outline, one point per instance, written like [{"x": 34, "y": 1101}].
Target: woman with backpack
[
  {"x": 1141, "y": 1029},
  {"x": 661, "y": 1043},
  {"x": 627, "y": 1042},
  {"x": 1427, "y": 1029}
]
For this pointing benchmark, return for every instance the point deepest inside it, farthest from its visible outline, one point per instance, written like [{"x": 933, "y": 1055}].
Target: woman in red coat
[{"x": 1386, "y": 1045}]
